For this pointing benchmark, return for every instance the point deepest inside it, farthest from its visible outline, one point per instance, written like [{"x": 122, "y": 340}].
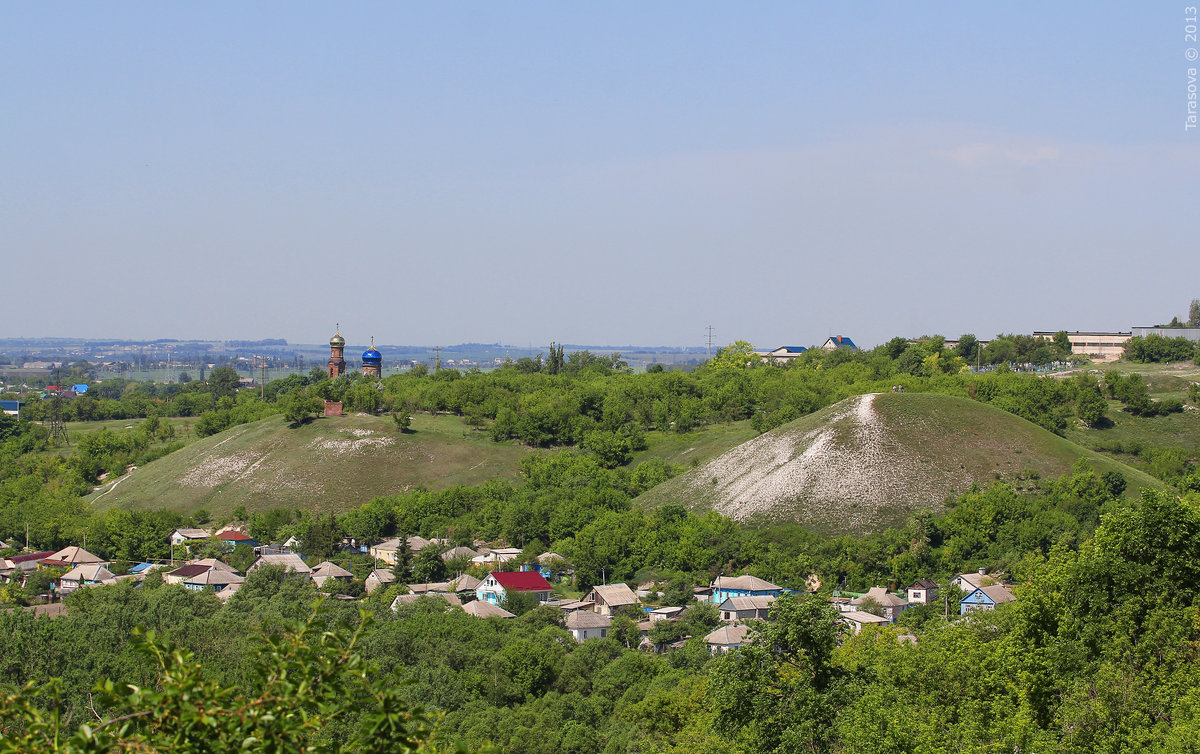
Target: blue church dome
[{"x": 371, "y": 356}]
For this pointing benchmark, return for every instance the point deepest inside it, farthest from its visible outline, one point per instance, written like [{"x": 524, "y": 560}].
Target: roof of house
[
  {"x": 747, "y": 582},
  {"x": 458, "y": 552},
  {"x": 193, "y": 533},
  {"x": 759, "y": 602},
  {"x": 547, "y": 557},
  {"x": 485, "y": 609},
  {"x": 997, "y": 593},
  {"x": 583, "y": 619},
  {"x": 233, "y": 535},
  {"x": 881, "y": 597},
  {"x": 614, "y": 595},
  {"x": 32, "y": 556},
  {"x": 858, "y": 616},
  {"x": 215, "y": 577},
  {"x": 88, "y": 572},
  {"x": 190, "y": 570},
  {"x": 433, "y": 586},
  {"x": 790, "y": 349},
  {"x": 572, "y": 605},
  {"x": 667, "y": 611},
  {"x": 841, "y": 341},
  {"x": 214, "y": 563},
  {"x": 408, "y": 599},
  {"x": 464, "y": 583},
  {"x": 331, "y": 570},
  {"x": 290, "y": 561},
  {"x": 924, "y": 584},
  {"x": 522, "y": 581},
  {"x": 382, "y": 575},
  {"x": 975, "y": 580},
  {"x": 728, "y": 636},
  {"x": 75, "y": 555}
]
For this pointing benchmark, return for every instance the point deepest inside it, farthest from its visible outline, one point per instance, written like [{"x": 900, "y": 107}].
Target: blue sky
[{"x": 445, "y": 173}]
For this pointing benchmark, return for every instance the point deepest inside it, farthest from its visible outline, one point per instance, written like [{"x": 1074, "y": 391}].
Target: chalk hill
[
  {"x": 869, "y": 461},
  {"x": 331, "y": 464}
]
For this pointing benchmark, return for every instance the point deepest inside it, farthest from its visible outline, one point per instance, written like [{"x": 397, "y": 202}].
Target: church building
[{"x": 372, "y": 360}]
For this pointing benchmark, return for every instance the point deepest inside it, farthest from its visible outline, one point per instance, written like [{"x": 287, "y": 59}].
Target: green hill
[
  {"x": 869, "y": 461},
  {"x": 331, "y": 464}
]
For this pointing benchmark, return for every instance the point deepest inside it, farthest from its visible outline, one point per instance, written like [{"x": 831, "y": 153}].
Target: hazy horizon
[{"x": 476, "y": 173}]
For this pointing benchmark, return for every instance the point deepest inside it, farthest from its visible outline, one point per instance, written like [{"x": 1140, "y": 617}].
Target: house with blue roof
[
  {"x": 12, "y": 408},
  {"x": 724, "y": 587},
  {"x": 782, "y": 354},
  {"x": 838, "y": 341}
]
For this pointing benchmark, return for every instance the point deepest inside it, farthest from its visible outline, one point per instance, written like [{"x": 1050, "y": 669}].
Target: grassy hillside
[
  {"x": 869, "y": 461},
  {"x": 329, "y": 464},
  {"x": 702, "y": 445}
]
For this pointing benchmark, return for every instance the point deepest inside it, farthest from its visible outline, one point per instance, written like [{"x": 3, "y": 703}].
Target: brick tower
[{"x": 337, "y": 364}]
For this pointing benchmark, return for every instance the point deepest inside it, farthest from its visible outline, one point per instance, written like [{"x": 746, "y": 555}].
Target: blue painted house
[
  {"x": 985, "y": 598},
  {"x": 724, "y": 587},
  {"x": 12, "y": 408}
]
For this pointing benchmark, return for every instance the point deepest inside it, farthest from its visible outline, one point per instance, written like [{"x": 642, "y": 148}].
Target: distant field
[{"x": 331, "y": 464}]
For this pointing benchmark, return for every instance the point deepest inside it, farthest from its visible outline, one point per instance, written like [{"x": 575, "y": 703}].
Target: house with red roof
[
  {"x": 233, "y": 538},
  {"x": 499, "y": 583}
]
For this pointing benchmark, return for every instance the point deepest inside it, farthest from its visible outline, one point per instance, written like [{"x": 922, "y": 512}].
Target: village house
[
  {"x": 481, "y": 609},
  {"x": 186, "y": 536},
  {"x": 924, "y": 591},
  {"x": 857, "y": 619},
  {"x": 783, "y": 354},
  {"x": 85, "y": 575},
  {"x": 969, "y": 582},
  {"x": 571, "y": 606},
  {"x": 218, "y": 579},
  {"x": 232, "y": 538},
  {"x": 665, "y": 613},
  {"x": 985, "y": 598},
  {"x": 408, "y": 599},
  {"x": 838, "y": 341},
  {"x": 387, "y": 549},
  {"x": 458, "y": 552},
  {"x": 727, "y": 638},
  {"x": 585, "y": 625},
  {"x": 891, "y": 604},
  {"x": 378, "y": 578},
  {"x": 724, "y": 587},
  {"x": 327, "y": 571},
  {"x": 497, "y": 556},
  {"x": 17, "y": 567},
  {"x": 463, "y": 585},
  {"x": 291, "y": 562},
  {"x": 71, "y": 557},
  {"x": 498, "y": 584},
  {"x": 610, "y": 598},
  {"x": 736, "y": 609}
]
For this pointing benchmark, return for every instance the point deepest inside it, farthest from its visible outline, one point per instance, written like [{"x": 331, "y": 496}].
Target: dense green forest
[{"x": 1098, "y": 653}]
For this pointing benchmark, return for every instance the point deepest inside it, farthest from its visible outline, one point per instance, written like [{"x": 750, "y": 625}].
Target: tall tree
[{"x": 1194, "y": 313}]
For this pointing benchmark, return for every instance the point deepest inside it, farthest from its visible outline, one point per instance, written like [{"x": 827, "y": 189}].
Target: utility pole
[
  {"x": 437, "y": 358},
  {"x": 262, "y": 382},
  {"x": 709, "y": 337}
]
